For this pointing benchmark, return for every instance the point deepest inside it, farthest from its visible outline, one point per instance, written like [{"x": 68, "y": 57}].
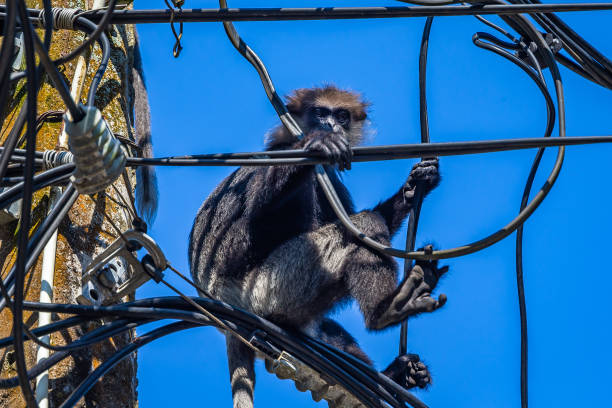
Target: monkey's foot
[
  {"x": 424, "y": 172},
  {"x": 408, "y": 371},
  {"x": 413, "y": 296}
]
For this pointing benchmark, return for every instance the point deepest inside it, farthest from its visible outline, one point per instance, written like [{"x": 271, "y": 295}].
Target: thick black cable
[
  {"x": 6, "y": 55},
  {"x": 548, "y": 59},
  {"x": 44, "y": 179},
  {"x": 592, "y": 61},
  {"x": 54, "y": 75},
  {"x": 331, "y": 13},
  {"x": 55, "y": 358},
  {"x": 106, "y": 331},
  {"x": 42, "y": 235},
  {"x": 82, "y": 22},
  {"x": 47, "y": 329},
  {"x": 106, "y": 366},
  {"x": 106, "y": 49},
  {"x": 26, "y": 207},
  {"x": 417, "y": 201},
  {"x": 158, "y": 308}
]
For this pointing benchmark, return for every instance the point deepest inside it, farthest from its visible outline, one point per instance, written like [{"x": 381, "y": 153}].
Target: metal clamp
[
  {"x": 117, "y": 272},
  {"x": 306, "y": 379}
]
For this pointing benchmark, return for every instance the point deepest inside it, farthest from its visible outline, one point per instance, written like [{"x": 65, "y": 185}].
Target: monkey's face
[
  {"x": 329, "y": 109},
  {"x": 328, "y": 118}
]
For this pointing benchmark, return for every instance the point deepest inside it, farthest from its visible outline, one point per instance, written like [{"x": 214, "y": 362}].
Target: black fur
[
  {"x": 267, "y": 240},
  {"x": 146, "y": 180}
]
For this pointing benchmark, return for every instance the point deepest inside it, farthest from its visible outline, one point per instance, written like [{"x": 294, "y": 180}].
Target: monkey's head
[{"x": 329, "y": 108}]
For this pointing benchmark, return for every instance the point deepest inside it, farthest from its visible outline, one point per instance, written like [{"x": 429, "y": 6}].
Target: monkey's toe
[{"x": 409, "y": 371}]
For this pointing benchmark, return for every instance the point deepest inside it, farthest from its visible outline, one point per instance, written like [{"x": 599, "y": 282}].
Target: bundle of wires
[{"x": 25, "y": 171}]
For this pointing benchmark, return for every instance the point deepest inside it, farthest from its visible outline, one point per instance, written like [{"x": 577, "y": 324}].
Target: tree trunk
[{"x": 83, "y": 234}]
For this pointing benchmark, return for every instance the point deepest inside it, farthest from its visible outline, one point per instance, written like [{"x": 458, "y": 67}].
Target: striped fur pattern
[{"x": 266, "y": 240}]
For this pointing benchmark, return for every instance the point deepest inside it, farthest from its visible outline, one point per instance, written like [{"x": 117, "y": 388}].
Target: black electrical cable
[
  {"x": 26, "y": 207},
  {"x": 44, "y": 179},
  {"x": 81, "y": 23},
  {"x": 350, "y": 374},
  {"x": 525, "y": 198},
  {"x": 55, "y": 358},
  {"x": 415, "y": 208},
  {"x": 106, "y": 331},
  {"x": 596, "y": 64},
  {"x": 331, "y": 13},
  {"x": 106, "y": 366},
  {"x": 101, "y": 26},
  {"x": 53, "y": 73},
  {"x": 548, "y": 59},
  {"x": 47, "y": 329},
  {"x": 158, "y": 308},
  {"x": 6, "y": 55},
  {"x": 106, "y": 48},
  {"x": 42, "y": 235}
]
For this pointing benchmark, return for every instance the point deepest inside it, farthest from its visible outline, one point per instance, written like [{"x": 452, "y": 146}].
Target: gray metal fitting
[
  {"x": 98, "y": 155},
  {"x": 306, "y": 379},
  {"x": 116, "y": 272}
]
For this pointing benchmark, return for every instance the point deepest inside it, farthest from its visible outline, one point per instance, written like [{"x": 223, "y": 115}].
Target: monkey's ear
[
  {"x": 295, "y": 101},
  {"x": 360, "y": 113}
]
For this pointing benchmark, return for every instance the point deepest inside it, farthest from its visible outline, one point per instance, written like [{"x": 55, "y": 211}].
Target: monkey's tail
[
  {"x": 146, "y": 180},
  {"x": 241, "y": 361}
]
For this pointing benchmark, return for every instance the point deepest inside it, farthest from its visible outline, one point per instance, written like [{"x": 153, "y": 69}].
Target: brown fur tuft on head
[
  {"x": 300, "y": 100},
  {"x": 329, "y": 95}
]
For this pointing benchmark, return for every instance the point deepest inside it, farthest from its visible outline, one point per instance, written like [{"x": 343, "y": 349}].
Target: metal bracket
[
  {"x": 552, "y": 41},
  {"x": 117, "y": 272},
  {"x": 10, "y": 213}
]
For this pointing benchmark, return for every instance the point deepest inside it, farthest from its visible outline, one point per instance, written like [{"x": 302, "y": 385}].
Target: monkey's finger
[
  {"x": 344, "y": 140},
  {"x": 317, "y": 146},
  {"x": 441, "y": 300},
  {"x": 349, "y": 157},
  {"x": 424, "y": 304},
  {"x": 429, "y": 162},
  {"x": 408, "y": 286},
  {"x": 342, "y": 153},
  {"x": 337, "y": 154}
]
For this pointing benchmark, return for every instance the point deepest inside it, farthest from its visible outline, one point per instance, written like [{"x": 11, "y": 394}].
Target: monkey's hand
[
  {"x": 424, "y": 173},
  {"x": 408, "y": 371},
  {"x": 413, "y": 296},
  {"x": 332, "y": 145}
]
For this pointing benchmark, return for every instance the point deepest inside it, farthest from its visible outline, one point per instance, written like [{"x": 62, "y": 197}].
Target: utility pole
[{"x": 84, "y": 233}]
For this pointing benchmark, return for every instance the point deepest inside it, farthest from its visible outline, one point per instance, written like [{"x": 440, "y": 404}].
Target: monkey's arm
[
  {"x": 395, "y": 209},
  {"x": 276, "y": 186}
]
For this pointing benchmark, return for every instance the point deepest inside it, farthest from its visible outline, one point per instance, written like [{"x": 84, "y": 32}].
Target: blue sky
[{"x": 211, "y": 100}]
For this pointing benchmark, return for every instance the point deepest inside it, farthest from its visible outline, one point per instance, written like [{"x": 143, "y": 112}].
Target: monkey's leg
[
  {"x": 406, "y": 370},
  {"x": 371, "y": 280},
  {"x": 330, "y": 332},
  {"x": 240, "y": 359}
]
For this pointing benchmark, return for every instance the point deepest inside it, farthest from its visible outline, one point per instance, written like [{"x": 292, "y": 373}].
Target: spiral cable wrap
[
  {"x": 63, "y": 18},
  {"x": 55, "y": 158}
]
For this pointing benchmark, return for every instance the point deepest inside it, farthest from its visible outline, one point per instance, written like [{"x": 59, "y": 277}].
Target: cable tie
[{"x": 63, "y": 18}]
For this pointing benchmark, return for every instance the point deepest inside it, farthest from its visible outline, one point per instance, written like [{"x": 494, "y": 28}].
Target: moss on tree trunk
[{"x": 84, "y": 233}]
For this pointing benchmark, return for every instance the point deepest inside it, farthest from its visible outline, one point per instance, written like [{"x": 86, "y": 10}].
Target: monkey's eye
[
  {"x": 320, "y": 112},
  {"x": 343, "y": 116}
]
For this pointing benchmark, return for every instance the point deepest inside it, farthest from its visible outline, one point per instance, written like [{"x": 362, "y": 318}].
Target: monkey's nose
[{"x": 330, "y": 124}]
